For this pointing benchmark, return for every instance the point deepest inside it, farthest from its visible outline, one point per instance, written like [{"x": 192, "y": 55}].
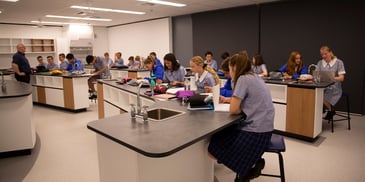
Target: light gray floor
[{"x": 66, "y": 152}]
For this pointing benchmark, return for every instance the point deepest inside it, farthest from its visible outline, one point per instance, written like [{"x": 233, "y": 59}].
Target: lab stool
[
  {"x": 343, "y": 117},
  {"x": 277, "y": 145}
]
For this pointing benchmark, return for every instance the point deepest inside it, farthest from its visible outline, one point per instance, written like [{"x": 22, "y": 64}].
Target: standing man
[
  {"x": 100, "y": 68},
  {"x": 21, "y": 65}
]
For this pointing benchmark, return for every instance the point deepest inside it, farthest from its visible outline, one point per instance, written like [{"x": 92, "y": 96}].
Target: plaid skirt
[{"x": 237, "y": 149}]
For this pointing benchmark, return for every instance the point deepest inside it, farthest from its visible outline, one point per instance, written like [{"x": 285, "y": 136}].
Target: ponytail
[{"x": 211, "y": 71}]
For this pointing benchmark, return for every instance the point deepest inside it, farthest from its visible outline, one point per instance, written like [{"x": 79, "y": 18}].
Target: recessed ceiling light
[
  {"x": 10, "y": 0},
  {"x": 163, "y": 3},
  {"x": 108, "y": 10},
  {"x": 78, "y": 18}
]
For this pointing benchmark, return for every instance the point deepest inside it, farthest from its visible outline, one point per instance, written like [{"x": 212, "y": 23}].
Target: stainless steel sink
[{"x": 159, "y": 114}]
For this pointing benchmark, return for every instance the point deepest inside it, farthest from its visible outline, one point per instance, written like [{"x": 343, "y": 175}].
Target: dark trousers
[{"x": 25, "y": 78}]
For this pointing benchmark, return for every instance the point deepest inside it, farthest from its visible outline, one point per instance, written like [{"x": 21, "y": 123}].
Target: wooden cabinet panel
[
  {"x": 300, "y": 111},
  {"x": 68, "y": 94},
  {"x": 41, "y": 95}
]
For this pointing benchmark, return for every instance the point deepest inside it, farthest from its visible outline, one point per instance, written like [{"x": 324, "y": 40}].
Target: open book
[{"x": 218, "y": 106}]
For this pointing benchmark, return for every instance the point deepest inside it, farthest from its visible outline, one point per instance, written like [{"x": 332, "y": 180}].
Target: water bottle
[
  {"x": 153, "y": 83},
  {"x": 186, "y": 83}
]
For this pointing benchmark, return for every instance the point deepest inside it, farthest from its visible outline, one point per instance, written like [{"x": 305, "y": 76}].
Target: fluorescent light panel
[
  {"x": 108, "y": 10},
  {"x": 77, "y": 18},
  {"x": 10, "y": 0},
  {"x": 163, "y": 3},
  {"x": 57, "y": 23}
]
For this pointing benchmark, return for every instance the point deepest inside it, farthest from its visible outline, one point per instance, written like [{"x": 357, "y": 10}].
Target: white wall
[
  {"x": 141, "y": 39},
  {"x": 100, "y": 45}
]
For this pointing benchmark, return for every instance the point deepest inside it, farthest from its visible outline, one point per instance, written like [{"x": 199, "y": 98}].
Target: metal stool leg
[{"x": 348, "y": 112}]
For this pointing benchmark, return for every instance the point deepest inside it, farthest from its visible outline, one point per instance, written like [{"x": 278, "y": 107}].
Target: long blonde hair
[{"x": 200, "y": 62}]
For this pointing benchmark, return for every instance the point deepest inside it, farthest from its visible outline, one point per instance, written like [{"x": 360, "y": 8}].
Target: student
[
  {"x": 51, "y": 65},
  {"x": 154, "y": 69},
  {"x": 258, "y": 65},
  {"x": 41, "y": 62},
  {"x": 118, "y": 60},
  {"x": 295, "y": 67},
  {"x": 241, "y": 146},
  {"x": 210, "y": 61},
  {"x": 205, "y": 76},
  {"x": 158, "y": 62},
  {"x": 139, "y": 59},
  {"x": 64, "y": 62},
  {"x": 226, "y": 91},
  {"x": 108, "y": 61},
  {"x": 74, "y": 64},
  {"x": 100, "y": 68},
  {"x": 333, "y": 92},
  {"x": 132, "y": 63},
  {"x": 174, "y": 73}
]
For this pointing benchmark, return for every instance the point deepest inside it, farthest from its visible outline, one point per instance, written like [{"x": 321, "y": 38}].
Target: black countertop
[
  {"x": 15, "y": 89},
  {"x": 300, "y": 83},
  {"x": 66, "y": 75},
  {"x": 161, "y": 138}
]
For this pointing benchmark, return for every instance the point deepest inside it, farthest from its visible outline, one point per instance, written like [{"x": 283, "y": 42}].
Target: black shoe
[
  {"x": 90, "y": 91},
  {"x": 256, "y": 171},
  {"x": 241, "y": 179},
  {"x": 93, "y": 96},
  {"x": 330, "y": 114}
]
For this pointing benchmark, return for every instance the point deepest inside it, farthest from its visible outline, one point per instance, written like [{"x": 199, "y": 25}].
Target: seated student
[
  {"x": 258, "y": 65},
  {"x": 108, "y": 61},
  {"x": 295, "y": 67},
  {"x": 174, "y": 73},
  {"x": 241, "y": 146},
  {"x": 74, "y": 64},
  {"x": 64, "y": 63},
  {"x": 51, "y": 65},
  {"x": 154, "y": 69},
  {"x": 205, "y": 76},
  {"x": 226, "y": 91},
  {"x": 118, "y": 60},
  {"x": 332, "y": 93},
  {"x": 41, "y": 62},
  {"x": 139, "y": 59},
  {"x": 158, "y": 62},
  {"x": 210, "y": 61},
  {"x": 132, "y": 63},
  {"x": 100, "y": 68}
]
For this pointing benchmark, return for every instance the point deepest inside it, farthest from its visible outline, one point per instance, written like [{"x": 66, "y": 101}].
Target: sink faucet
[{"x": 138, "y": 96}]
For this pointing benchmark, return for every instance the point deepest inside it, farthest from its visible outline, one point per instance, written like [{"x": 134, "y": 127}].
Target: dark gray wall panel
[
  {"x": 306, "y": 26},
  {"x": 183, "y": 38},
  {"x": 229, "y": 30}
]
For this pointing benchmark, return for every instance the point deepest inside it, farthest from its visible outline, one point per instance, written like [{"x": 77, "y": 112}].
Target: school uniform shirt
[
  {"x": 158, "y": 72},
  {"x": 206, "y": 79},
  {"x": 63, "y": 65},
  {"x": 295, "y": 75},
  {"x": 212, "y": 64},
  {"x": 226, "y": 91},
  {"x": 77, "y": 66},
  {"x": 333, "y": 92},
  {"x": 259, "y": 69},
  {"x": 135, "y": 63},
  {"x": 52, "y": 66},
  {"x": 120, "y": 62},
  {"x": 177, "y": 75},
  {"x": 256, "y": 103}
]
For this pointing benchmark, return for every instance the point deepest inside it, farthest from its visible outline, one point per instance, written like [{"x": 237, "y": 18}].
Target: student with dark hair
[
  {"x": 74, "y": 64},
  {"x": 51, "y": 65},
  {"x": 174, "y": 73},
  {"x": 241, "y": 146},
  {"x": 64, "y": 63},
  {"x": 332, "y": 93},
  {"x": 132, "y": 63},
  {"x": 118, "y": 60},
  {"x": 100, "y": 67},
  {"x": 210, "y": 61},
  {"x": 226, "y": 90},
  {"x": 258, "y": 65},
  {"x": 41, "y": 61}
]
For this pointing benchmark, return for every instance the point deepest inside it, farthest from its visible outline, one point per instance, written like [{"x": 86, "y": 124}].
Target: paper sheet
[{"x": 217, "y": 105}]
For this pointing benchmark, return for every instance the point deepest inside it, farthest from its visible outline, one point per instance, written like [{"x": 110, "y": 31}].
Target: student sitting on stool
[{"x": 100, "y": 67}]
